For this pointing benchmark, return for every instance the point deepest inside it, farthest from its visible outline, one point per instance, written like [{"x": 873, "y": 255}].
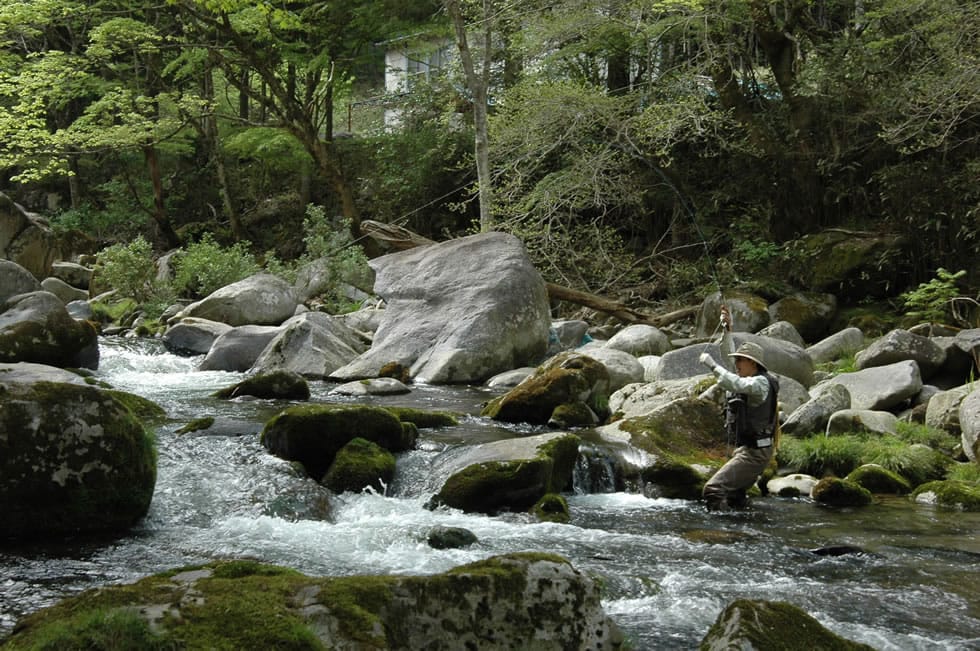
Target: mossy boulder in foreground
[
  {"x": 518, "y": 601},
  {"x": 749, "y": 624},
  {"x": 73, "y": 459}
]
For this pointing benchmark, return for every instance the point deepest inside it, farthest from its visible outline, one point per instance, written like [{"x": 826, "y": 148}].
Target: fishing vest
[{"x": 753, "y": 426}]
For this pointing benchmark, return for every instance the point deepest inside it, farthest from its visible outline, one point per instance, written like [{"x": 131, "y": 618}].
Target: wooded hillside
[{"x": 639, "y": 147}]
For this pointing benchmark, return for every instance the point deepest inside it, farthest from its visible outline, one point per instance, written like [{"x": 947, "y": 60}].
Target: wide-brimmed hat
[{"x": 751, "y": 351}]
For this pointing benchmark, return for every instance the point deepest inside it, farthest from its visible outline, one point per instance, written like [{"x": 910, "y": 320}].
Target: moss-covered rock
[
  {"x": 442, "y": 537},
  {"x": 674, "y": 479},
  {"x": 37, "y": 328},
  {"x": 951, "y": 493},
  {"x": 511, "y": 475},
  {"x": 73, "y": 459},
  {"x": 567, "y": 379},
  {"x": 552, "y": 508},
  {"x": 526, "y": 601},
  {"x": 878, "y": 479},
  {"x": 852, "y": 265},
  {"x": 143, "y": 408},
  {"x": 358, "y": 465},
  {"x": 313, "y": 434},
  {"x": 274, "y": 385},
  {"x": 835, "y": 491},
  {"x": 423, "y": 418},
  {"x": 753, "y": 624}
]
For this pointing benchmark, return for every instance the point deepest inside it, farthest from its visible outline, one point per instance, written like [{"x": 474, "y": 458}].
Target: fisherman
[{"x": 750, "y": 420}]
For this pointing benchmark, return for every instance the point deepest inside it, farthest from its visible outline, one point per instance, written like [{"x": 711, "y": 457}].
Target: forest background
[{"x": 643, "y": 149}]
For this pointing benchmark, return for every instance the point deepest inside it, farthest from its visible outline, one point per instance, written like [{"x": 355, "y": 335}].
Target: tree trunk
[
  {"x": 159, "y": 212},
  {"x": 477, "y": 85},
  {"x": 212, "y": 138}
]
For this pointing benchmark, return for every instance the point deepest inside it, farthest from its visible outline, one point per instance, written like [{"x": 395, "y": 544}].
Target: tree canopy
[{"x": 621, "y": 139}]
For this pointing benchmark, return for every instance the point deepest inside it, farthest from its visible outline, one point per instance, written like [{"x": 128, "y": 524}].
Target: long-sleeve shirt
[{"x": 756, "y": 387}]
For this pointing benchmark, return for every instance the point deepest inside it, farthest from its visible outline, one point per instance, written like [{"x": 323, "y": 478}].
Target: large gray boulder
[
  {"x": 970, "y": 426},
  {"x": 862, "y": 420},
  {"x": 899, "y": 345},
  {"x": 640, "y": 398},
  {"x": 238, "y": 349},
  {"x": 26, "y": 239},
  {"x": 63, "y": 290},
  {"x": 781, "y": 357},
  {"x": 75, "y": 460},
  {"x": 193, "y": 336},
  {"x": 840, "y": 344},
  {"x": 262, "y": 299},
  {"x": 943, "y": 409},
  {"x": 36, "y": 327},
  {"x": 623, "y": 367},
  {"x": 313, "y": 344},
  {"x": 812, "y": 416},
  {"x": 15, "y": 279},
  {"x": 640, "y": 339},
  {"x": 72, "y": 273},
  {"x": 881, "y": 387},
  {"x": 516, "y": 601},
  {"x": 457, "y": 312}
]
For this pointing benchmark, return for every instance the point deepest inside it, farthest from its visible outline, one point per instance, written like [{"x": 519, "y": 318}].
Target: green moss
[
  {"x": 196, "y": 425},
  {"x": 563, "y": 453},
  {"x": 97, "y": 629},
  {"x": 470, "y": 488},
  {"x": 141, "y": 407},
  {"x": 840, "y": 492},
  {"x": 281, "y": 384},
  {"x": 773, "y": 625},
  {"x": 685, "y": 431},
  {"x": 952, "y": 493},
  {"x": 106, "y": 460},
  {"x": 877, "y": 479},
  {"x": 358, "y": 465},
  {"x": 424, "y": 419},
  {"x": 313, "y": 434},
  {"x": 356, "y": 602},
  {"x": 115, "y": 311},
  {"x": 674, "y": 479},
  {"x": 966, "y": 472},
  {"x": 551, "y": 508}
]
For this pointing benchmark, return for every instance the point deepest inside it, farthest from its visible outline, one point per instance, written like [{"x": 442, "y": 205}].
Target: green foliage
[
  {"x": 333, "y": 256},
  {"x": 109, "y": 630},
  {"x": 822, "y": 455},
  {"x": 932, "y": 301},
  {"x": 965, "y": 472},
  {"x": 206, "y": 266},
  {"x": 839, "y": 455},
  {"x": 130, "y": 269}
]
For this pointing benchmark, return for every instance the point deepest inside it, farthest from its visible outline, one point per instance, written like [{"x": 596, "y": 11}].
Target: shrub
[
  {"x": 206, "y": 266},
  {"x": 130, "y": 269},
  {"x": 840, "y": 455},
  {"x": 822, "y": 455},
  {"x": 933, "y": 301}
]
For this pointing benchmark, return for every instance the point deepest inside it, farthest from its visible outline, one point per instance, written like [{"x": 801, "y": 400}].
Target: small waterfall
[{"x": 595, "y": 471}]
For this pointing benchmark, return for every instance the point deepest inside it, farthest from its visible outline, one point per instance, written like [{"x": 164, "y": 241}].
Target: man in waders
[{"x": 750, "y": 420}]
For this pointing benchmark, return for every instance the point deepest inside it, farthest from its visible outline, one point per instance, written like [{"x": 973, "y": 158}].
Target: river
[{"x": 667, "y": 566}]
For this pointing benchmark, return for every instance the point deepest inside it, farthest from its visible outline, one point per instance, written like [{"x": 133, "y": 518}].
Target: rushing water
[{"x": 668, "y": 567}]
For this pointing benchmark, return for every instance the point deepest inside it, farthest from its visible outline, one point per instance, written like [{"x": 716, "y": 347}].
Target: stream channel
[{"x": 668, "y": 567}]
